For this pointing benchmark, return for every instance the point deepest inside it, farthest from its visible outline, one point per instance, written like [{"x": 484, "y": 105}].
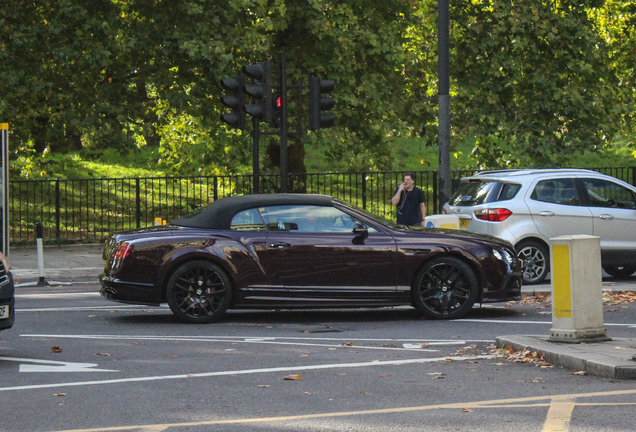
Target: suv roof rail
[{"x": 527, "y": 171}]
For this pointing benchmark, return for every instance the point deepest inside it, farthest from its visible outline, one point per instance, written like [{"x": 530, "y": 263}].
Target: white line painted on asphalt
[
  {"x": 534, "y": 322},
  {"x": 247, "y": 338},
  {"x": 247, "y": 372},
  {"x": 63, "y": 295},
  {"x": 71, "y": 309},
  {"x": 420, "y": 348},
  {"x": 54, "y": 366}
]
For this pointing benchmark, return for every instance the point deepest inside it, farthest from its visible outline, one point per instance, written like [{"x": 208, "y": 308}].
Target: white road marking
[
  {"x": 269, "y": 341},
  {"x": 535, "y": 322},
  {"x": 51, "y": 295},
  {"x": 246, "y": 372},
  {"x": 67, "y": 309},
  {"x": 54, "y": 366}
]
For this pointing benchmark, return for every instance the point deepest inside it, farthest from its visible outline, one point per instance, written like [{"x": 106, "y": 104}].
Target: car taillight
[
  {"x": 493, "y": 215},
  {"x": 123, "y": 250}
]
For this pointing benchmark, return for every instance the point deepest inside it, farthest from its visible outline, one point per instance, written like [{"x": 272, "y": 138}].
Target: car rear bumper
[{"x": 130, "y": 292}]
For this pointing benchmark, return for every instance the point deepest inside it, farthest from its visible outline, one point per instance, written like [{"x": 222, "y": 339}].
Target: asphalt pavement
[{"x": 73, "y": 264}]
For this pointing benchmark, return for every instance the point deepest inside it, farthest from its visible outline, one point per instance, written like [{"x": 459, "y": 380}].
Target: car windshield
[
  {"x": 379, "y": 219},
  {"x": 471, "y": 193}
]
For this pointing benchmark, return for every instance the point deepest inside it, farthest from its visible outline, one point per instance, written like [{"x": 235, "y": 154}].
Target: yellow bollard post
[{"x": 576, "y": 279}]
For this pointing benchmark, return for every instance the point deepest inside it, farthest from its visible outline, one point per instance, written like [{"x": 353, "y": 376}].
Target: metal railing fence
[{"x": 88, "y": 210}]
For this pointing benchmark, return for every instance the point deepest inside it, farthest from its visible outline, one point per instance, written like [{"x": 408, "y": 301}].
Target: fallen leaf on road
[
  {"x": 103, "y": 354},
  {"x": 305, "y": 355},
  {"x": 619, "y": 348},
  {"x": 579, "y": 373},
  {"x": 347, "y": 344},
  {"x": 56, "y": 349},
  {"x": 438, "y": 377},
  {"x": 293, "y": 377},
  {"x": 263, "y": 386},
  {"x": 376, "y": 361},
  {"x": 467, "y": 410},
  {"x": 307, "y": 393},
  {"x": 59, "y": 394},
  {"x": 449, "y": 360},
  {"x": 436, "y": 373}
]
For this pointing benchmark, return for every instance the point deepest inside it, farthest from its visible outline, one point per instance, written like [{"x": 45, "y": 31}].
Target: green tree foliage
[{"x": 532, "y": 80}]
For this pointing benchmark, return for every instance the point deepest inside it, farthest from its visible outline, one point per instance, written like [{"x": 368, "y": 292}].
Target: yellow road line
[
  {"x": 559, "y": 415},
  {"x": 560, "y": 408}
]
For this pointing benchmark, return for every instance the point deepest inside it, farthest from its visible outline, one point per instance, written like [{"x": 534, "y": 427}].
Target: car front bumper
[{"x": 7, "y": 298}]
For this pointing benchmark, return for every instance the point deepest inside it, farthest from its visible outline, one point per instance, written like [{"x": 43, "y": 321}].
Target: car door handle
[
  {"x": 606, "y": 216},
  {"x": 547, "y": 213},
  {"x": 280, "y": 245}
]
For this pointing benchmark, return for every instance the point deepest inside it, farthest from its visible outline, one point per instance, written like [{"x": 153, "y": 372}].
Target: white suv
[{"x": 528, "y": 207}]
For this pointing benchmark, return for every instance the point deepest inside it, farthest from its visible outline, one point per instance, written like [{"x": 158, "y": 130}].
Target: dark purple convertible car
[{"x": 290, "y": 251}]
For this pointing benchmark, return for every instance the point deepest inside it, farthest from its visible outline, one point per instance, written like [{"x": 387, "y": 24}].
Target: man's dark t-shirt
[{"x": 408, "y": 208}]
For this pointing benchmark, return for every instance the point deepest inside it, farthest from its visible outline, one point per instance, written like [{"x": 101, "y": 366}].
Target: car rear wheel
[
  {"x": 620, "y": 271},
  {"x": 536, "y": 264},
  {"x": 445, "y": 288},
  {"x": 199, "y": 292}
]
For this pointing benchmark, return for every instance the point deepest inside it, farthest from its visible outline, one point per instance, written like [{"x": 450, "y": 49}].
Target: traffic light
[
  {"x": 317, "y": 103},
  {"x": 276, "y": 106},
  {"x": 236, "y": 101},
  {"x": 260, "y": 90}
]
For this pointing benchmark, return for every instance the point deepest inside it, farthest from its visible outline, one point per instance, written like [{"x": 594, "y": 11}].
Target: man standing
[{"x": 410, "y": 203}]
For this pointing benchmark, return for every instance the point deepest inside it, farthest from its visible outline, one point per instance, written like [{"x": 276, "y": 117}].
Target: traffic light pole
[
  {"x": 256, "y": 135},
  {"x": 282, "y": 68},
  {"x": 443, "y": 25}
]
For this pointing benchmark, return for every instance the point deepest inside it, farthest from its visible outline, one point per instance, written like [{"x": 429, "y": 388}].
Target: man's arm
[
  {"x": 423, "y": 209},
  {"x": 396, "y": 198}
]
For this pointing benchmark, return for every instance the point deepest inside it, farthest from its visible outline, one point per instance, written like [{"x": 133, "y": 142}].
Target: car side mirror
[{"x": 360, "y": 229}]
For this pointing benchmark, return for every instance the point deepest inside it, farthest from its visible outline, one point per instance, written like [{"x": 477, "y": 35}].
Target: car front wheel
[
  {"x": 199, "y": 292},
  {"x": 445, "y": 288},
  {"x": 620, "y": 272},
  {"x": 535, "y": 260}
]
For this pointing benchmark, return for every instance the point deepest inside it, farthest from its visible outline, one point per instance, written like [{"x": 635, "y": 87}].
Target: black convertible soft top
[{"x": 219, "y": 214}]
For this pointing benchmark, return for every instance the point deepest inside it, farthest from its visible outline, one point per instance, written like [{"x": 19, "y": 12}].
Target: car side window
[
  {"x": 307, "y": 218},
  {"x": 603, "y": 193},
  {"x": 556, "y": 191},
  {"x": 508, "y": 191},
  {"x": 248, "y": 220}
]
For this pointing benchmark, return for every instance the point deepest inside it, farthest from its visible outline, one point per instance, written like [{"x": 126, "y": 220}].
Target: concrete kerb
[{"x": 613, "y": 359}]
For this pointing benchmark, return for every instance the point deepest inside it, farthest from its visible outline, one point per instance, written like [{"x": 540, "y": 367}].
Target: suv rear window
[{"x": 477, "y": 192}]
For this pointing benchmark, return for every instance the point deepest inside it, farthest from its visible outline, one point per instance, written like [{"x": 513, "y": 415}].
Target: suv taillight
[{"x": 493, "y": 215}]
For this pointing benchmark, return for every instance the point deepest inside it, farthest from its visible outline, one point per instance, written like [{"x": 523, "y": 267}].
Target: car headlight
[{"x": 503, "y": 255}]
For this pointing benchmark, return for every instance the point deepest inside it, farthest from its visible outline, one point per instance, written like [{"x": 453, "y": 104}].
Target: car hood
[{"x": 461, "y": 234}]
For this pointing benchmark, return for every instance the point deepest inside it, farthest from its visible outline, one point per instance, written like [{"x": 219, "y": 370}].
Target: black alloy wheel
[
  {"x": 535, "y": 261},
  {"x": 620, "y": 272},
  {"x": 199, "y": 292},
  {"x": 445, "y": 288}
]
